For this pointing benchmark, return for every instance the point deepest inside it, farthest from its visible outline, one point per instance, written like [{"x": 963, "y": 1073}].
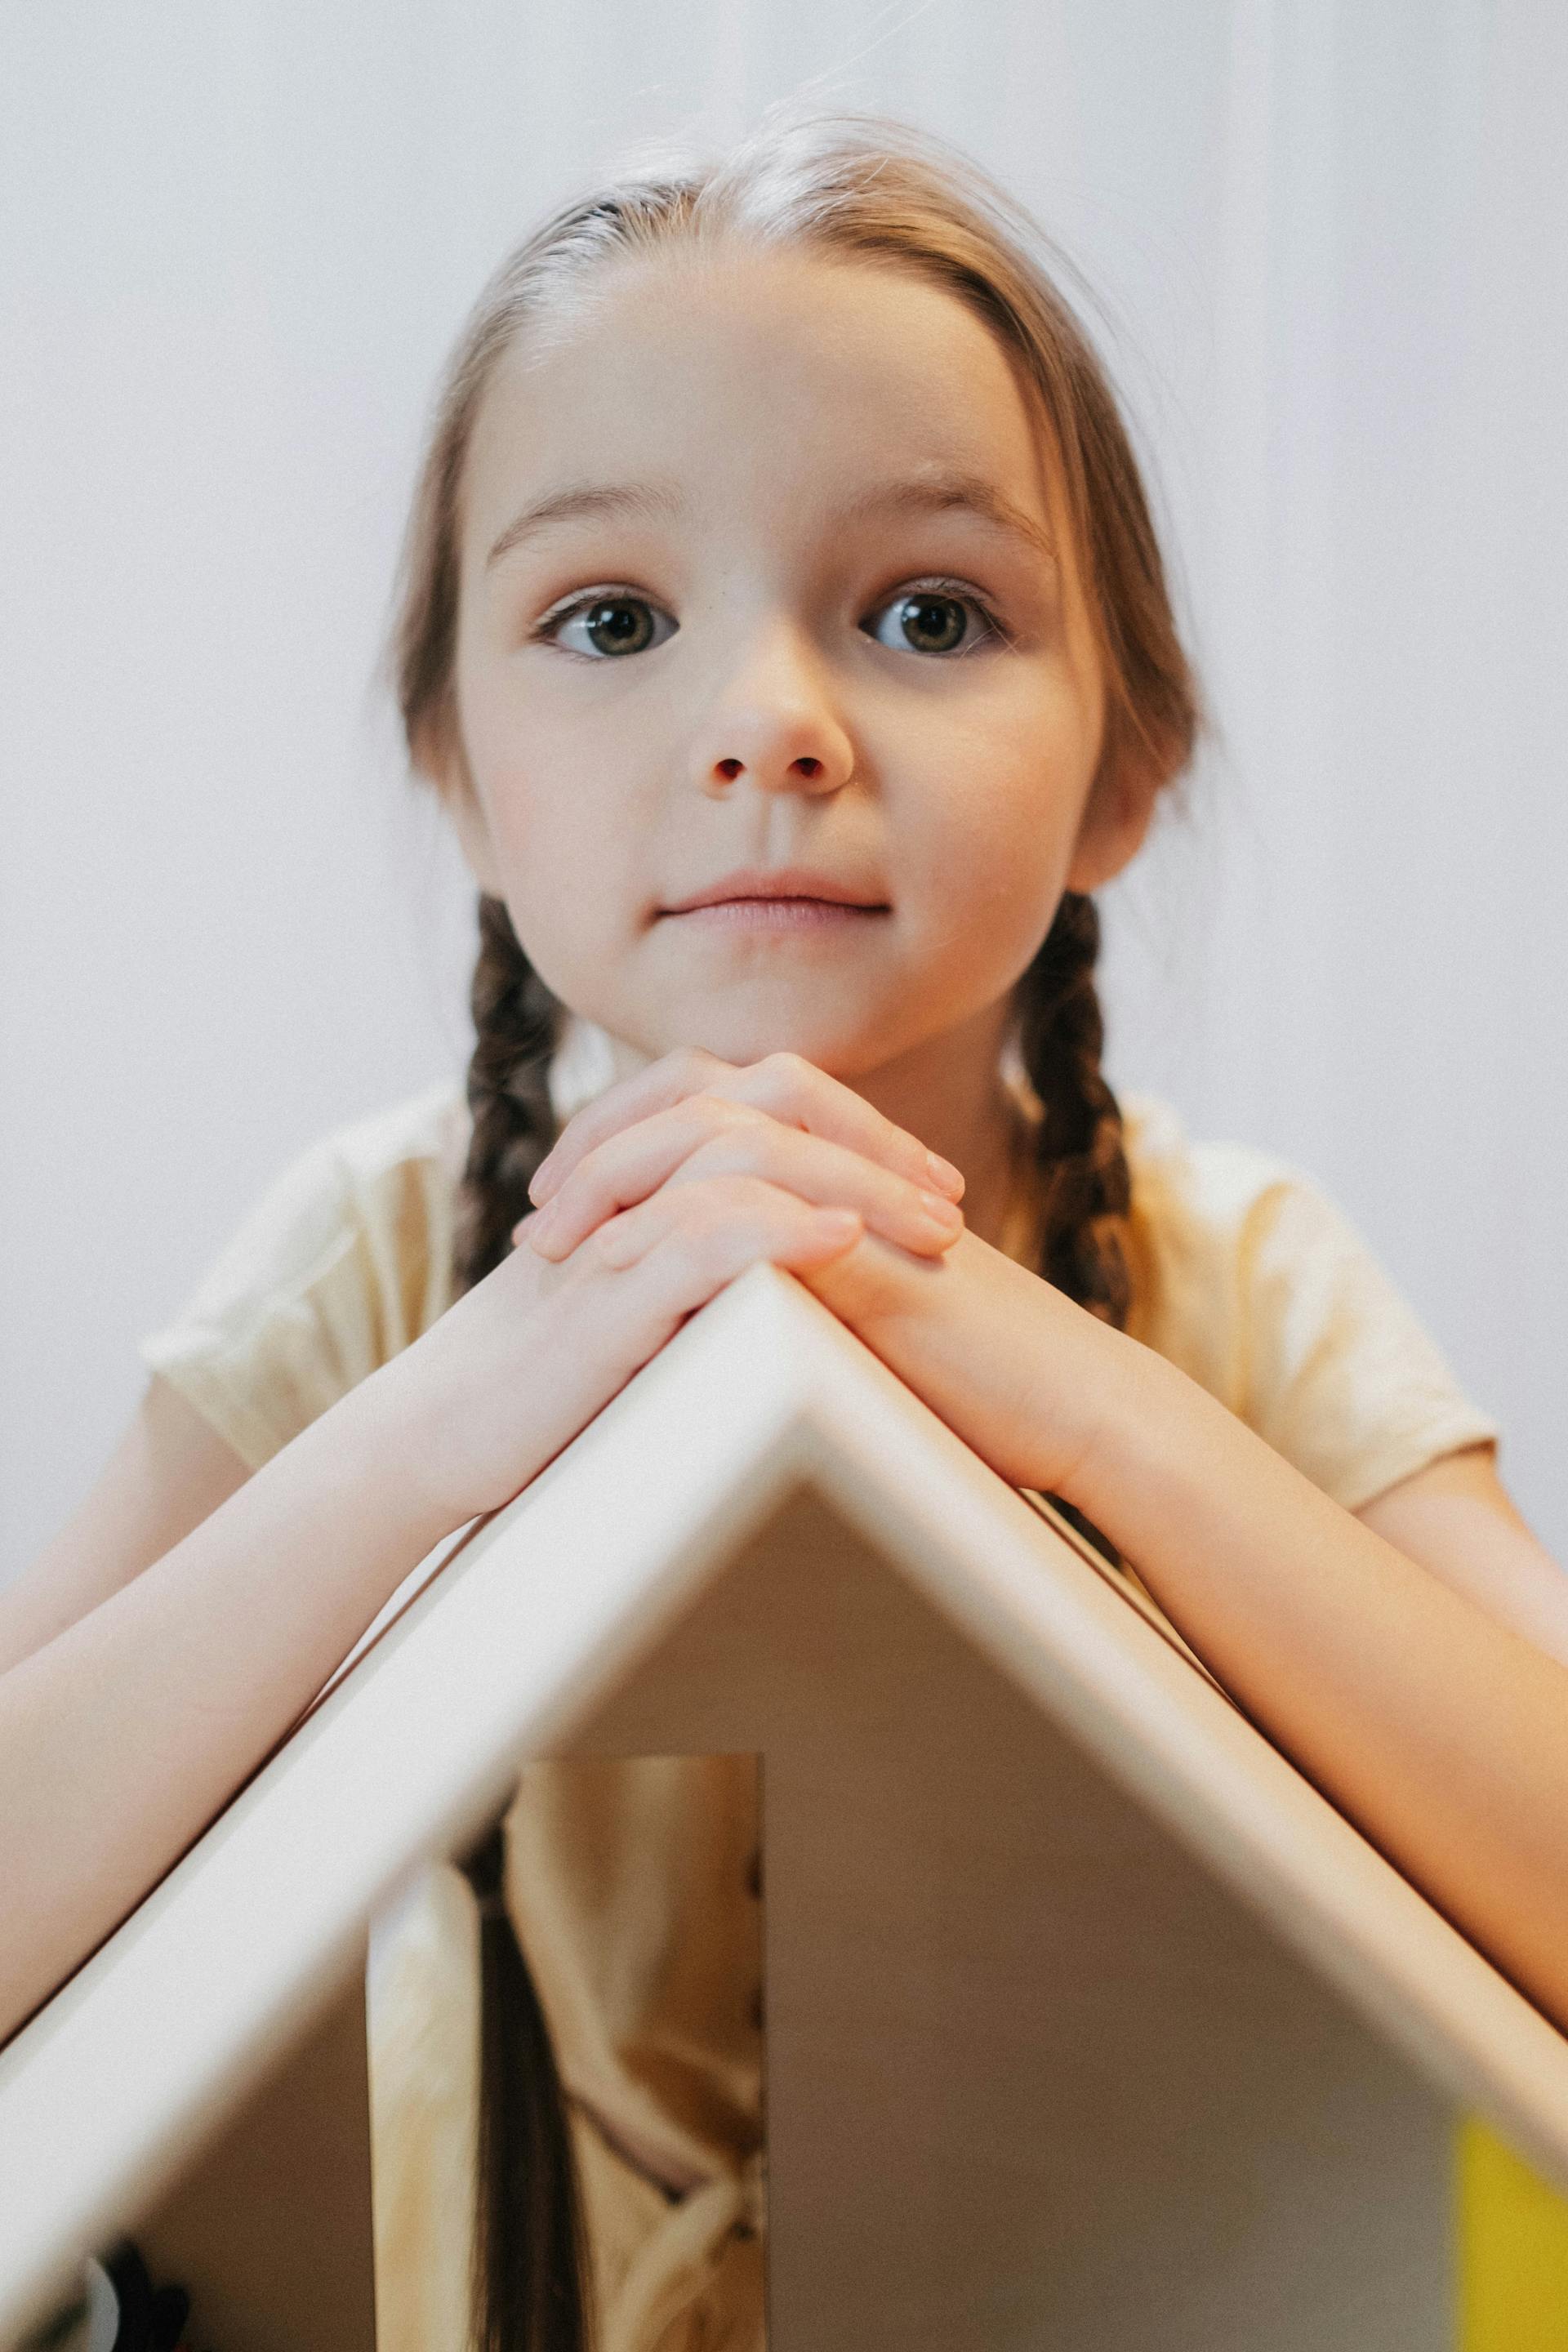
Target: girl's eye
[
  {"x": 931, "y": 618},
  {"x": 606, "y": 625},
  {"x": 934, "y": 619}
]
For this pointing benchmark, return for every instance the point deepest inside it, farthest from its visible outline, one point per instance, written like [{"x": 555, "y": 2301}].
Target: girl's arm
[
  {"x": 125, "y": 1730},
  {"x": 1457, "y": 1519},
  {"x": 189, "y": 1615},
  {"x": 1423, "y": 1690},
  {"x": 168, "y": 1473}
]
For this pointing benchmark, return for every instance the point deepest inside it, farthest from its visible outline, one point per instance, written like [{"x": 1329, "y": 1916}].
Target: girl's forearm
[
  {"x": 122, "y": 1737},
  {"x": 1442, "y": 1733}
]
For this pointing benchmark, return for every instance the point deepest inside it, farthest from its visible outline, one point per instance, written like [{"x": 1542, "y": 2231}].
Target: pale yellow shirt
[{"x": 1245, "y": 1274}]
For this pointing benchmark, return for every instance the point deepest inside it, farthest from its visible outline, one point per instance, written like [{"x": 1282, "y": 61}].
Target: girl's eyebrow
[
  {"x": 947, "y": 491},
  {"x": 953, "y": 491},
  {"x": 582, "y": 501}
]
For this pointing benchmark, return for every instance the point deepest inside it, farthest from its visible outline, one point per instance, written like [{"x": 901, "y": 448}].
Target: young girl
[{"x": 784, "y": 629}]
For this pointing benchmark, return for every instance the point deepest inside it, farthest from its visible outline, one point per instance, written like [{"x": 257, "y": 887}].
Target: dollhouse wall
[
  {"x": 268, "y": 2224},
  {"x": 1034, "y": 2077}
]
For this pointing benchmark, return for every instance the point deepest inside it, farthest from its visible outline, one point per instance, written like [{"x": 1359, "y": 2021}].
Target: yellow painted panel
[{"x": 1512, "y": 2250}]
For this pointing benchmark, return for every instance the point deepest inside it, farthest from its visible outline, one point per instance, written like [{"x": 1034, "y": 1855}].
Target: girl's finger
[
  {"x": 720, "y": 1205},
  {"x": 786, "y": 1085},
  {"x": 630, "y": 1164},
  {"x": 668, "y": 1080},
  {"x": 744, "y": 1223},
  {"x": 705, "y": 1137}
]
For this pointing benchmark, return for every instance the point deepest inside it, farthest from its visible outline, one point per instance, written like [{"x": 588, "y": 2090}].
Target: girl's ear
[{"x": 1115, "y": 820}]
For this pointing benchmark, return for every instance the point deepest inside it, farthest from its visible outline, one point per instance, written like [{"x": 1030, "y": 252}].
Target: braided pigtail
[
  {"x": 530, "y": 2256},
  {"x": 1088, "y": 1192},
  {"x": 517, "y": 1024},
  {"x": 530, "y": 2266},
  {"x": 1084, "y": 1178}
]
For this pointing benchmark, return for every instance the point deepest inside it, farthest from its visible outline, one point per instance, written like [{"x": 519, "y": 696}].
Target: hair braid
[
  {"x": 531, "y": 2253},
  {"x": 530, "y": 2290},
  {"x": 1077, "y": 1142},
  {"x": 517, "y": 1022}
]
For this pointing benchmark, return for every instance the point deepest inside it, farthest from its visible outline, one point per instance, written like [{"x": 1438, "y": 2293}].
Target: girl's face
[{"x": 762, "y": 570}]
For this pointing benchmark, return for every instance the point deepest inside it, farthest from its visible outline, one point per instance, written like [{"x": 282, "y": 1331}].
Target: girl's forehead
[{"x": 765, "y": 379}]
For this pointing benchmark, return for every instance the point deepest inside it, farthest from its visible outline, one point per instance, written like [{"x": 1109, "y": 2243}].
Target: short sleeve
[
  {"x": 343, "y": 1261},
  {"x": 1341, "y": 1376},
  {"x": 1251, "y": 1279}
]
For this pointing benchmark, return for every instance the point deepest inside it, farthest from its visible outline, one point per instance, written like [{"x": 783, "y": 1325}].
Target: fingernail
[
  {"x": 944, "y": 1173},
  {"x": 539, "y": 1184},
  {"x": 943, "y": 1213}
]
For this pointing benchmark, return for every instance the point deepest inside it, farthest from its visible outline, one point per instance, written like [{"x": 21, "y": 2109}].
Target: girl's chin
[
  {"x": 778, "y": 1003},
  {"x": 847, "y": 1056}
]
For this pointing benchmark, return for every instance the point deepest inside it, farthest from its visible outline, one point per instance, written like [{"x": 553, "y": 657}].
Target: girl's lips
[
  {"x": 766, "y": 884},
  {"x": 791, "y": 914}
]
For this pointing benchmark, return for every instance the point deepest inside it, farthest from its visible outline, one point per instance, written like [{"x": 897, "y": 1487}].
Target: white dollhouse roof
[{"x": 554, "y": 1606}]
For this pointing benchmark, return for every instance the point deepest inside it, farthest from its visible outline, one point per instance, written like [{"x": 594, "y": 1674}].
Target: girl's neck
[{"x": 952, "y": 1094}]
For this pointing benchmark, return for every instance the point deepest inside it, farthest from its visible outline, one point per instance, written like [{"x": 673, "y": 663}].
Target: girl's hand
[
  {"x": 1033, "y": 1382},
  {"x": 691, "y": 1117},
  {"x": 517, "y": 1366},
  {"x": 1021, "y": 1372},
  {"x": 1025, "y": 1376}
]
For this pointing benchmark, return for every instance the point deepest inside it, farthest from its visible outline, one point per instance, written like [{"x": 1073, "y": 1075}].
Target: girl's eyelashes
[
  {"x": 925, "y": 616},
  {"x": 614, "y": 621}
]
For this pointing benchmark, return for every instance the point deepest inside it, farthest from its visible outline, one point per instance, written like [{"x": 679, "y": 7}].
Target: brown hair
[
  {"x": 850, "y": 187},
  {"x": 531, "y": 2253}
]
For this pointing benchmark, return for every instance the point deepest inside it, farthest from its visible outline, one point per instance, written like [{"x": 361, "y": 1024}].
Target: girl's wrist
[
  {"x": 1156, "y": 1451},
  {"x": 391, "y": 1450},
  {"x": 1125, "y": 1410},
  {"x": 1051, "y": 1397}
]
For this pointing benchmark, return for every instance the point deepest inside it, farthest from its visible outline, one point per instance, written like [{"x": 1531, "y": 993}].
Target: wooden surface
[
  {"x": 544, "y": 1615},
  {"x": 1033, "y": 2077},
  {"x": 269, "y": 2225}
]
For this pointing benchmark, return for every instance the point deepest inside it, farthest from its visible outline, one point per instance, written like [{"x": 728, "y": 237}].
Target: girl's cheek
[{"x": 1000, "y": 874}]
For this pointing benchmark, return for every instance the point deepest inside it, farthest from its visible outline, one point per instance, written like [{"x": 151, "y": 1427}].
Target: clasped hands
[{"x": 1024, "y": 1375}]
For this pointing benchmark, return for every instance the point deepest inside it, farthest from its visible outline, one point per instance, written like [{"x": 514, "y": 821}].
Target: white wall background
[{"x": 234, "y": 242}]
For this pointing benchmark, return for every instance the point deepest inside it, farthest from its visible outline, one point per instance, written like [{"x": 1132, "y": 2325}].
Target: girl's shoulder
[
  {"x": 344, "y": 1260},
  {"x": 1249, "y": 1275}
]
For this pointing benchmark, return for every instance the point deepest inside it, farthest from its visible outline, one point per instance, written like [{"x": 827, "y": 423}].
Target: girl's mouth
[
  {"x": 791, "y": 914},
  {"x": 778, "y": 898}
]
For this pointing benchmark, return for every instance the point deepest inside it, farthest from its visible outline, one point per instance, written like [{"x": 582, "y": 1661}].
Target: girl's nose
[{"x": 776, "y": 732}]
